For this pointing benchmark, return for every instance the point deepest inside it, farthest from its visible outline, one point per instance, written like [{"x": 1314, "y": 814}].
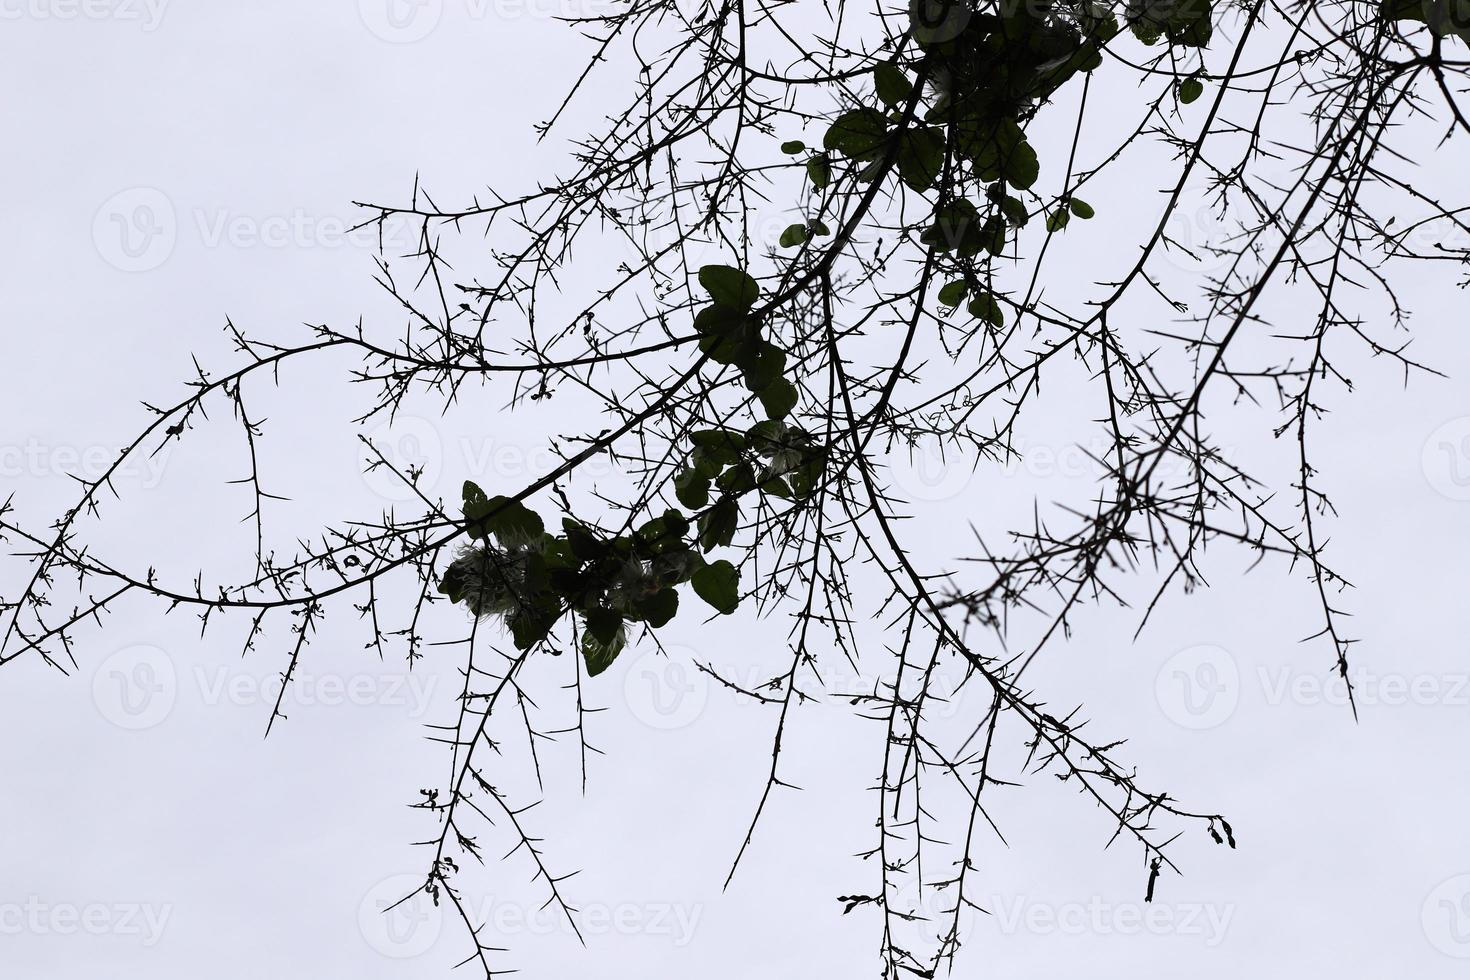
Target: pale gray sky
[{"x": 172, "y": 163}]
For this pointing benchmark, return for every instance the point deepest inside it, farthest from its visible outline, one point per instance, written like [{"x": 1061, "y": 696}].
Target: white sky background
[{"x": 147, "y": 831}]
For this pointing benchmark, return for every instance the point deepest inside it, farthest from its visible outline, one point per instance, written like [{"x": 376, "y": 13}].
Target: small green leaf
[
  {"x": 692, "y": 489},
  {"x": 584, "y": 544},
  {"x": 952, "y": 224},
  {"x": 1014, "y": 211},
  {"x": 718, "y": 584},
  {"x": 993, "y": 235},
  {"x": 533, "y": 623},
  {"x": 729, "y": 287},
  {"x": 892, "y": 83},
  {"x": 602, "y": 640},
  {"x": 778, "y": 398},
  {"x": 776, "y": 487},
  {"x": 953, "y": 294},
  {"x": 721, "y": 445},
  {"x": 660, "y": 607},
  {"x": 819, "y": 229},
  {"x": 819, "y": 170},
  {"x": 604, "y": 624},
  {"x": 763, "y": 367},
  {"x": 717, "y": 525},
  {"x": 510, "y": 521},
  {"x": 1020, "y": 166},
  {"x": 857, "y": 134},
  {"x": 1190, "y": 89},
  {"x": 738, "y": 479},
  {"x": 793, "y": 235},
  {"x": 792, "y": 146},
  {"x": 1058, "y": 219},
  {"x": 921, "y": 157},
  {"x": 984, "y": 307}
]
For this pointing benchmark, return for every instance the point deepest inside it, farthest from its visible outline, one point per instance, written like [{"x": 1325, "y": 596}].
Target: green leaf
[
  {"x": 892, "y": 83},
  {"x": 533, "y": 623},
  {"x": 952, "y": 223},
  {"x": 984, "y": 307},
  {"x": 718, "y": 584},
  {"x": 762, "y": 368},
  {"x": 793, "y": 235},
  {"x": 953, "y": 294},
  {"x": 921, "y": 157},
  {"x": 857, "y": 134},
  {"x": 660, "y": 607},
  {"x": 454, "y": 582},
  {"x": 778, "y": 398},
  {"x": 604, "y": 624},
  {"x": 1014, "y": 211},
  {"x": 792, "y": 146},
  {"x": 1192, "y": 23},
  {"x": 819, "y": 171},
  {"x": 1020, "y": 166},
  {"x": 777, "y": 487},
  {"x": 584, "y": 544},
  {"x": 662, "y": 534},
  {"x": 724, "y": 446},
  {"x": 738, "y": 479},
  {"x": 1058, "y": 219},
  {"x": 992, "y": 236},
  {"x": 819, "y": 229},
  {"x": 725, "y": 332},
  {"x": 729, "y": 287},
  {"x": 692, "y": 489},
  {"x": 602, "y": 640},
  {"x": 510, "y": 521},
  {"x": 1190, "y": 89},
  {"x": 717, "y": 525},
  {"x": 1080, "y": 208}
]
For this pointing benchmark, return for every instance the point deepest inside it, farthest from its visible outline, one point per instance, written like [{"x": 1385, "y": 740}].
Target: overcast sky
[{"x": 169, "y": 164}]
